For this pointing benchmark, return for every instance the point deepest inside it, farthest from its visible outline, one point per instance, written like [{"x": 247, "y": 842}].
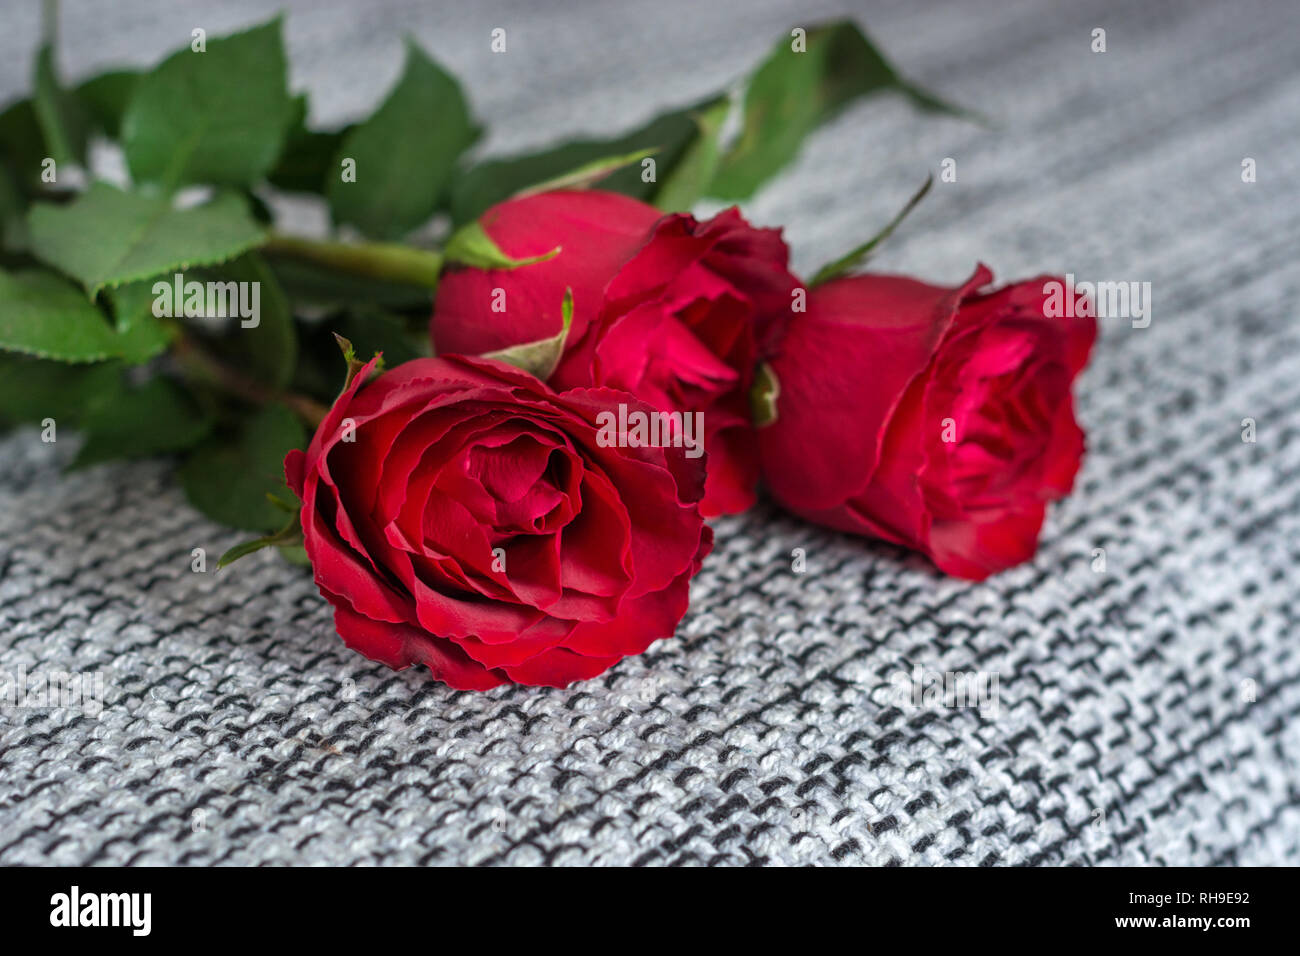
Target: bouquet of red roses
[{"x": 507, "y": 476}]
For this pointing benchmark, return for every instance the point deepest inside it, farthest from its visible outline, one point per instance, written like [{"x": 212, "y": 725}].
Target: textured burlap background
[{"x": 238, "y": 729}]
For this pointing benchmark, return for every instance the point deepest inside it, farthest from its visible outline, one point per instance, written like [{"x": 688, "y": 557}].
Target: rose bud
[
  {"x": 938, "y": 419},
  {"x": 460, "y": 514},
  {"x": 675, "y": 311}
]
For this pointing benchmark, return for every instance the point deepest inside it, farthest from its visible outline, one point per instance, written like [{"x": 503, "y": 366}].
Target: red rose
[
  {"x": 675, "y": 311},
  {"x": 940, "y": 419},
  {"x": 596, "y": 233},
  {"x": 460, "y": 514}
]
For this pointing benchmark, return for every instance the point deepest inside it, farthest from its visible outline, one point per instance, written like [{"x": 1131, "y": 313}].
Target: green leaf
[
  {"x": 669, "y": 137},
  {"x": 22, "y": 144},
  {"x": 287, "y": 537},
  {"x": 763, "y": 396},
  {"x": 229, "y": 476},
  {"x": 541, "y": 357},
  {"x": 58, "y": 112},
  {"x": 155, "y": 419},
  {"x": 218, "y": 116},
  {"x": 33, "y": 389},
  {"x": 105, "y": 98},
  {"x": 308, "y": 157},
  {"x": 690, "y": 176},
  {"x": 267, "y": 351},
  {"x": 470, "y": 245},
  {"x": 857, "y": 256},
  {"x": 405, "y": 153},
  {"x": 44, "y": 315},
  {"x": 588, "y": 174},
  {"x": 107, "y": 237},
  {"x": 13, "y": 210},
  {"x": 792, "y": 93},
  {"x": 141, "y": 334}
]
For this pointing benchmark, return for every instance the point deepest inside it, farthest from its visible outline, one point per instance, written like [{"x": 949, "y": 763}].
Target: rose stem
[
  {"x": 194, "y": 357},
  {"x": 376, "y": 260}
]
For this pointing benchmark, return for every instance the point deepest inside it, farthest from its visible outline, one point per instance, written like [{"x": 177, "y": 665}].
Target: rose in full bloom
[
  {"x": 462, "y": 515},
  {"x": 677, "y": 312},
  {"x": 940, "y": 419}
]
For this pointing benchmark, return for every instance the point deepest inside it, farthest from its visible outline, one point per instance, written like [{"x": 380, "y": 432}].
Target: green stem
[
  {"x": 201, "y": 364},
  {"x": 376, "y": 260}
]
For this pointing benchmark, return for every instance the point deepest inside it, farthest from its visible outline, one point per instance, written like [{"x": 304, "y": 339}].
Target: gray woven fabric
[{"x": 237, "y": 729}]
